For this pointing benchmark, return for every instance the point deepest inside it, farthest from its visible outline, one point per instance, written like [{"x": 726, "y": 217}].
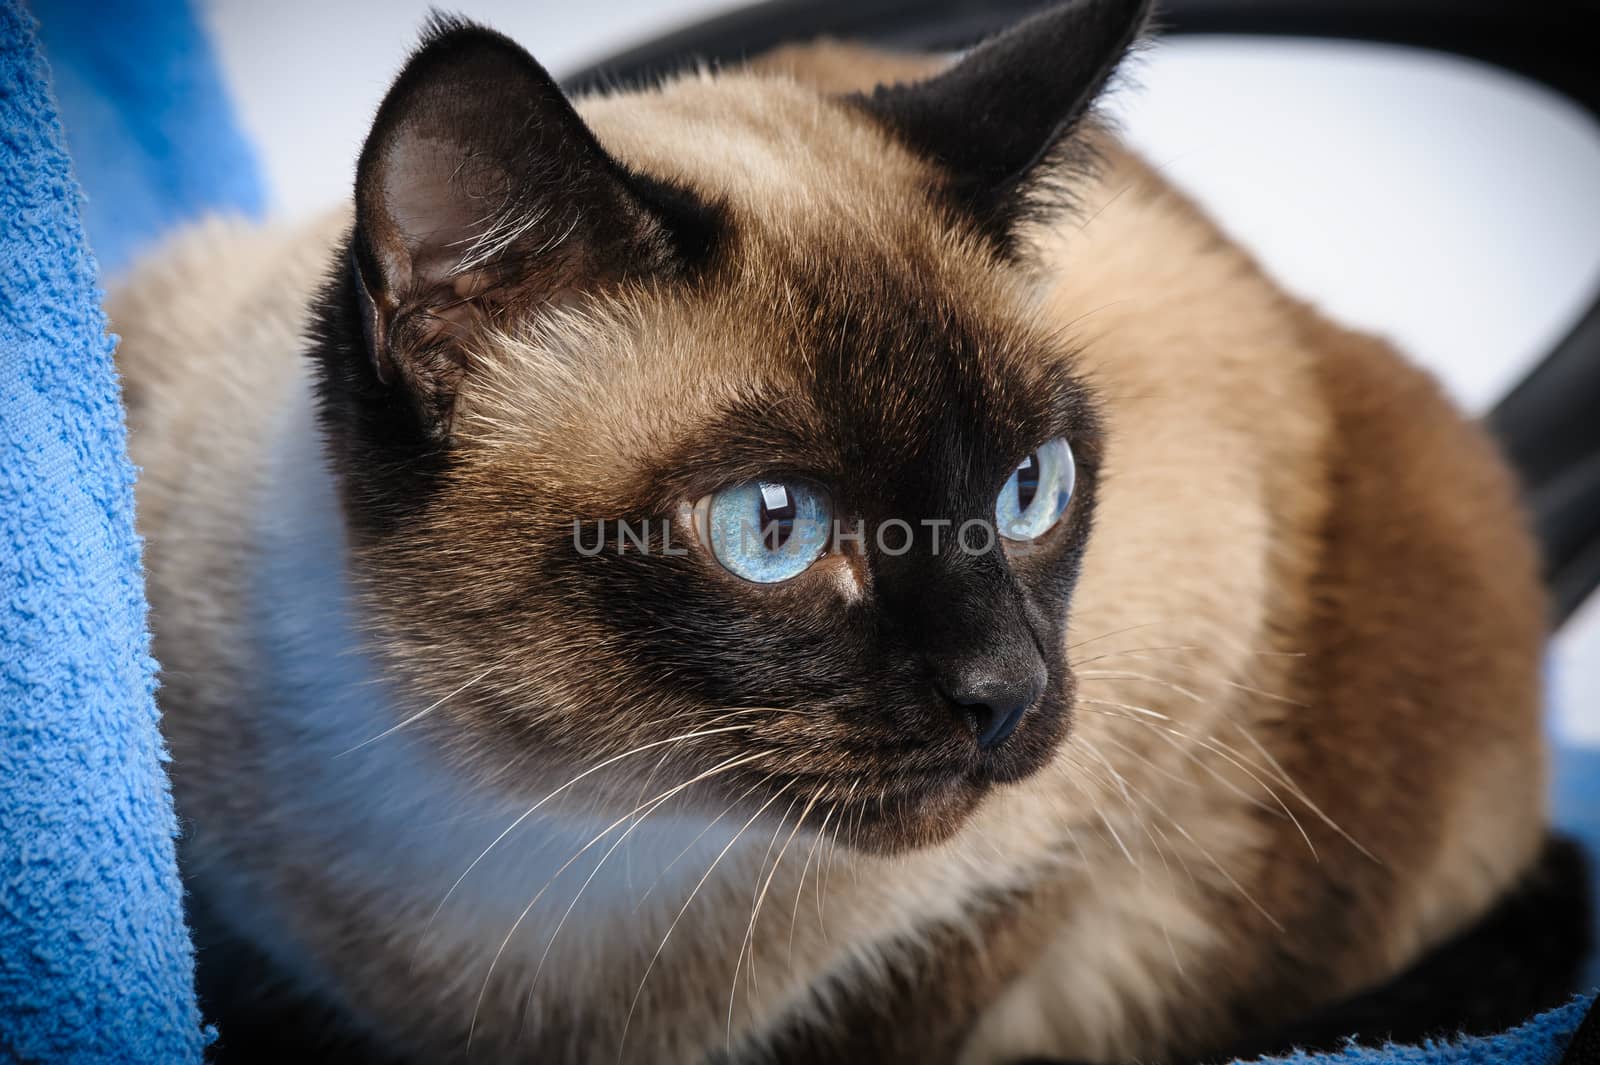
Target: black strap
[{"x": 1585, "y": 1046}]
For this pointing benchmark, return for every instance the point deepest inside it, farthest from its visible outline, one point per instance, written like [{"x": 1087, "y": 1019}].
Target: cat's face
[{"x": 702, "y": 468}]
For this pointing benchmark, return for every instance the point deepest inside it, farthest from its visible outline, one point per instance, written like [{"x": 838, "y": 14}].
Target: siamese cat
[{"x": 1127, "y": 662}]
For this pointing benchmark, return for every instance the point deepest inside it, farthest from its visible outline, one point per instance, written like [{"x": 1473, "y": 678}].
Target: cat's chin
[
  {"x": 934, "y": 812},
  {"x": 911, "y": 823}
]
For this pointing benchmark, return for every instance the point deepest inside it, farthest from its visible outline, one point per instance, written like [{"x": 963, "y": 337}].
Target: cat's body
[{"x": 1305, "y": 743}]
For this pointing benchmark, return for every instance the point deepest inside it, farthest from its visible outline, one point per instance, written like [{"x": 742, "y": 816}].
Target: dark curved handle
[{"x": 1549, "y": 424}]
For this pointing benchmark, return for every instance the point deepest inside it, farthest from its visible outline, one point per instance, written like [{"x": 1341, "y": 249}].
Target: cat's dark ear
[
  {"x": 481, "y": 193},
  {"x": 996, "y": 120}
]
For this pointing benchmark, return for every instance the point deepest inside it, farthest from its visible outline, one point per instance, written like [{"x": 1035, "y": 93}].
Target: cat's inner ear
[
  {"x": 999, "y": 119},
  {"x": 481, "y": 194}
]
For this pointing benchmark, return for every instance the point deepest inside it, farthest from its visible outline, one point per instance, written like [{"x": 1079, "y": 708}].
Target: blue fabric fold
[
  {"x": 1542, "y": 1041},
  {"x": 152, "y": 133},
  {"x": 95, "y": 959},
  {"x": 1575, "y": 801}
]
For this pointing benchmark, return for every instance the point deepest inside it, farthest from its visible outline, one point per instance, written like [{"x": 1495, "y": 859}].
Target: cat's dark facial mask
[{"x": 544, "y": 365}]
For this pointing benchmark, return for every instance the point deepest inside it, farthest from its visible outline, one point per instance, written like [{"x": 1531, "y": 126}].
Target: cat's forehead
[
  {"x": 852, "y": 361},
  {"x": 768, "y": 146},
  {"x": 841, "y": 329}
]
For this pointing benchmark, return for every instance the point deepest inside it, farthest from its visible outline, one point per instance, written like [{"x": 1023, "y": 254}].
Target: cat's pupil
[
  {"x": 777, "y": 515},
  {"x": 1027, "y": 482}
]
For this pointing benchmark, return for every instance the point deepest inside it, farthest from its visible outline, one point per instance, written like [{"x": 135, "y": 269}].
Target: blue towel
[
  {"x": 151, "y": 133},
  {"x": 1541, "y": 1041},
  {"x": 95, "y": 960},
  {"x": 1576, "y": 803}
]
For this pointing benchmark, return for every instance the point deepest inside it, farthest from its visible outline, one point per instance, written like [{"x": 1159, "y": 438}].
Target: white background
[{"x": 1446, "y": 205}]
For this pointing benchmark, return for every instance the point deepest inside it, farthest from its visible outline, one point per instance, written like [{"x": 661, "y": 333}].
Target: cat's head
[{"x": 709, "y": 434}]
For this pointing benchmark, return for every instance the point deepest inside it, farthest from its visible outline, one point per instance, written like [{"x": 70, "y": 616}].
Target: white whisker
[
  {"x": 530, "y": 811},
  {"x": 756, "y": 903},
  {"x": 634, "y": 1005},
  {"x": 654, "y": 803},
  {"x": 420, "y": 714}
]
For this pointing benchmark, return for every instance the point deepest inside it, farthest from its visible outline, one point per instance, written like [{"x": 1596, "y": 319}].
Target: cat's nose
[{"x": 992, "y": 697}]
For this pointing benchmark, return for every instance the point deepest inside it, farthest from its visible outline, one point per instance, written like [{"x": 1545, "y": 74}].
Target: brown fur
[{"x": 1308, "y": 589}]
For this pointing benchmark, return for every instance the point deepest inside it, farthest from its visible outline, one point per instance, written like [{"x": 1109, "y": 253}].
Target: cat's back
[
  {"x": 215, "y": 311},
  {"x": 211, "y": 329}
]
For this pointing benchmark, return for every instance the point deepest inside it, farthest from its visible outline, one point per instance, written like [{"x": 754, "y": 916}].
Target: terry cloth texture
[
  {"x": 95, "y": 961},
  {"x": 1542, "y": 1041}
]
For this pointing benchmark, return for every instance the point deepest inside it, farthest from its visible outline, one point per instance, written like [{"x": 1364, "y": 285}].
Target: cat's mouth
[{"x": 926, "y": 807}]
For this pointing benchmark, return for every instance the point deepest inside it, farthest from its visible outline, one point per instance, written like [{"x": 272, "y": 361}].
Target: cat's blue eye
[
  {"x": 768, "y": 531},
  {"x": 1037, "y": 493}
]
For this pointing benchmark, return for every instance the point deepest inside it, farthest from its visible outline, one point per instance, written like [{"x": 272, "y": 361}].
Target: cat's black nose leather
[{"x": 993, "y": 697}]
